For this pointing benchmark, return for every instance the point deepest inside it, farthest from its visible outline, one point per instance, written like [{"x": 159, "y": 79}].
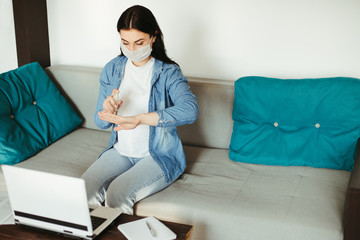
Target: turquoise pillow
[
  {"x": 302, "y": 122},
  {"x": 33, "y": 113}
]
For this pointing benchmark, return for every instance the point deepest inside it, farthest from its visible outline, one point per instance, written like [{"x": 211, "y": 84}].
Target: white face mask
[{"x": 139, "y": 54}]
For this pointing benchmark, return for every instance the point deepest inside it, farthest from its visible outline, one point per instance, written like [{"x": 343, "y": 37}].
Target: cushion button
[
  {"x": 317, "y": 125},
  {"x": 12, "y": 116},
  {"x": 276, "y": 124},
  {"x": 34, "y": 102}
]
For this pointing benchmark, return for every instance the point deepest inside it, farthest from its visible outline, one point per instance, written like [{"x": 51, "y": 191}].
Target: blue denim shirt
[{"x": 170, "y": 97}]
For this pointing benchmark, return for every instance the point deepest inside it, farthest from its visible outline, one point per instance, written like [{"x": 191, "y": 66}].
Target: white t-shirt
[{"x": 135, "y": 93}]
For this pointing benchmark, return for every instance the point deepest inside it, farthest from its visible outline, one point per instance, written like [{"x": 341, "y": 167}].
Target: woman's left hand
[{"x": 124, "y": 123}]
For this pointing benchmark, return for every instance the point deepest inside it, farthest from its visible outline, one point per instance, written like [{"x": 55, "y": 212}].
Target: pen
[{"x": 153, "y": 233}]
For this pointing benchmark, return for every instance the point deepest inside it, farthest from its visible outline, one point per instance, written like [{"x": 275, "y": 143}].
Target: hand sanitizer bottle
[{"x": 117, "y": 99}]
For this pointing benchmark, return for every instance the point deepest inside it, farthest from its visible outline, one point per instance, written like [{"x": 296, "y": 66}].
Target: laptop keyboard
[{"x": 96, "y": 221}]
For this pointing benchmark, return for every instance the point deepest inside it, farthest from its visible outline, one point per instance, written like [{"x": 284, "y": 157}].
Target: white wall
[
  {"x": 222, "y": 39},
  {"x": 8, "y": 57}
]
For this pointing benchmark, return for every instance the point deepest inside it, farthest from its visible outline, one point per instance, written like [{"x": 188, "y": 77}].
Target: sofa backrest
[
  {"x": 80, "y": 85},
  {"x": 214, "y": 125}
]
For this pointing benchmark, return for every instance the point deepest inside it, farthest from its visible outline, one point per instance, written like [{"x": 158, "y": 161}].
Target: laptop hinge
[{"x": 50, "y": 220}]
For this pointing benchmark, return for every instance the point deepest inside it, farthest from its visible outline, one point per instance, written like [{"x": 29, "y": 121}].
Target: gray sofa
[{"x": 221, "y": 198}]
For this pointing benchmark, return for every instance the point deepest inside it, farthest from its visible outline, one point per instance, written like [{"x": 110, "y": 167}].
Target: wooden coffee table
[{"x": 12, "y": 232}]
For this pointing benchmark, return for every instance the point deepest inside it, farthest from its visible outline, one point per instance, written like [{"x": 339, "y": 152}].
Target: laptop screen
[{"x": 48, "y": 201}]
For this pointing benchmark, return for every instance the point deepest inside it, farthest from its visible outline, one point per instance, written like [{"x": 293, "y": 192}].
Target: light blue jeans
[{"x": 121, "y": 181}]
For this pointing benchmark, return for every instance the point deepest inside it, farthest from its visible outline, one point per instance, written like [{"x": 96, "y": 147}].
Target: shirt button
[
  {"x": 276, "y": 124},
  {"x": 34, "y": 102},
  {"x": 317, "y": 125},
  {"x": 12, "y": 116}
]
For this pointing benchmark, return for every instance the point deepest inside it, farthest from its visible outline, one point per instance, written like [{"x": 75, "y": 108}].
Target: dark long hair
[{"x": 140, "y": 18}]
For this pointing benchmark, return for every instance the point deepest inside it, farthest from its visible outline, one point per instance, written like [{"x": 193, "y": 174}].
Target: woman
[{"x": 143, "y": 97}]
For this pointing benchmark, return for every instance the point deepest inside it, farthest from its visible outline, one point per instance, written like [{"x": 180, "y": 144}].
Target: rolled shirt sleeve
[
  {"x": 108, "y": 81},
  {"x": 184, "y": 108}
]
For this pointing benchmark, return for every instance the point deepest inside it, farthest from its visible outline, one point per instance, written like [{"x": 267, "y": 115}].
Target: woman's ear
[{"x": 153, "y": 40}]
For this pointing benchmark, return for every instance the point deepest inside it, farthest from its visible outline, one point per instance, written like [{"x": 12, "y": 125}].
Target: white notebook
[{"x": 146, "y": 229}]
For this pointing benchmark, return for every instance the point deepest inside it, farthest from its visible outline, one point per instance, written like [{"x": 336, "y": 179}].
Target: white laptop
[{"x": 54, "y": 202}]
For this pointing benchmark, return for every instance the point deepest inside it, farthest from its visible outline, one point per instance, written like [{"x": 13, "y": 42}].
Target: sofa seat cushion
[
  {"x": 33, "y": 113},
  {"x": 232, "y": 200},
  {"x": 297, "y": 122},
  {"x": 5, "y": 209},
  {"x": 70, "y": 155}
]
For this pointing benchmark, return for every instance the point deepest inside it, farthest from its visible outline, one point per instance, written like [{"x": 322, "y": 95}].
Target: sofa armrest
[{"x": 352, "y": 204}]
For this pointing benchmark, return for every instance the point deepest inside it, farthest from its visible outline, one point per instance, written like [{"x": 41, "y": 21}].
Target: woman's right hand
[{"x": 110, "y": 105}]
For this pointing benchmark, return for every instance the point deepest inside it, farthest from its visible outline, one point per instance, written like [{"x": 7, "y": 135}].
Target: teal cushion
[
  {"x": 302, "y": 122},
  {"x": 33, "y": 113}
]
